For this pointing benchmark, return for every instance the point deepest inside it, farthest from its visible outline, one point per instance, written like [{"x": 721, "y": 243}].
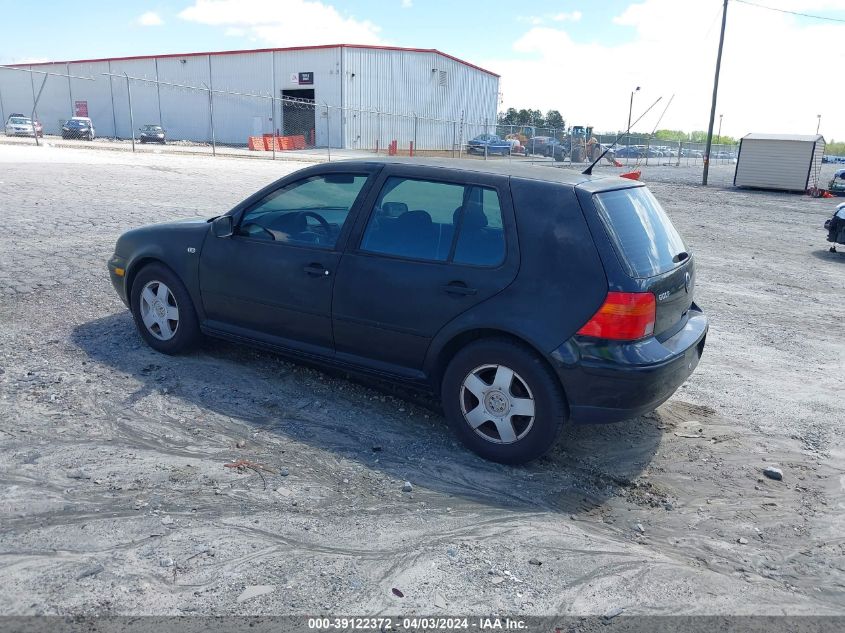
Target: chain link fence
[{"x": 148, "y": 114}]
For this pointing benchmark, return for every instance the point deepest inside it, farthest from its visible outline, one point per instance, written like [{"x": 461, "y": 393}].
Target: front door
[
  {"x": 272, "y": 280},
  {"x": 429, "y": 249}
]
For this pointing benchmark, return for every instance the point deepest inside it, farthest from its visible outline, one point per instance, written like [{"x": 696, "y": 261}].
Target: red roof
[{"x": 268, "y": 50}]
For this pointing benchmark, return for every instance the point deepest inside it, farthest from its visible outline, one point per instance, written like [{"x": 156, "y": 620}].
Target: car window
[
  {"x": 309, "y": 212},
  {"x": 642, "y": 233},
  {"x": 418, "y": 219}
]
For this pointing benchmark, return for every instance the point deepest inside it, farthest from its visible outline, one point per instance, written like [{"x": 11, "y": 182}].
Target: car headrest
[
  {"x": 394, "y": 209},
  {"x": 415, "y": 220},
  {"x": 474, "y": 217}
]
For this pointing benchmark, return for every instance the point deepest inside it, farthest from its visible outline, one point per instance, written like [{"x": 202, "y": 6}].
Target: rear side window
[
  {"x": 437, "y": 221},
  {"x": 643, "y": 235}
]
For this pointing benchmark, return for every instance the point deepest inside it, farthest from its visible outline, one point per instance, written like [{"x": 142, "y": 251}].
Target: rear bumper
[{"x": 608, "y": 381}]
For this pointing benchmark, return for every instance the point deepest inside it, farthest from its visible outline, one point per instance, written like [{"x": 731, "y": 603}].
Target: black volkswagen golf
[{"x": 525, "y": 297}]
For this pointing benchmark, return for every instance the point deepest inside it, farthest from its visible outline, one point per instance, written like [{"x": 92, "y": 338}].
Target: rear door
[
  {"x": 650, "y": 251},
  {"x": 430, "y": 244}
]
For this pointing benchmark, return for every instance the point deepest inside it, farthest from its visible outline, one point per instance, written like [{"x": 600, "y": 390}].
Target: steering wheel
[
  {"x": 246, "y": 227},
  {"x": 323, "y": 222}
]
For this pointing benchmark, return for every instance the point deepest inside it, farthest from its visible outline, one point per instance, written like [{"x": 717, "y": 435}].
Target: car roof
[{"x": 557, "y": 175}]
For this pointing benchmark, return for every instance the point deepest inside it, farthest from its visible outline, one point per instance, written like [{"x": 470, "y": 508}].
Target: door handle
[
  {"x": 316, "y": 270},
  {"x": 459, "y": 288}
]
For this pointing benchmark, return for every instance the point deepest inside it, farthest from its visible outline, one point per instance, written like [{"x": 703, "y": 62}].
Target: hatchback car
[
  {"x": 527, "y": 298},
  {"x": 152, "y": 134},
  {"x": 78, "y": 127}
]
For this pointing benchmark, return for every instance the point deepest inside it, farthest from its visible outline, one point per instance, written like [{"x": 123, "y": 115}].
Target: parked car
[
  {"x": 152, "y": 134},
  {"x": 837, "y": 183},
  {"x": 78, "y": 127},
  {"x": 489, "y": 144},
  {"x": 526, "y": 299},
  {"x": 20, "y": 125},
  {"x": 630, "y": 151},
  {"x": 542, "y": 145}
]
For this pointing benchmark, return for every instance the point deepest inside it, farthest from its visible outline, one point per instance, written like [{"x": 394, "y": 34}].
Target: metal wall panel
[
  {"x": 16, "y": 92},
  {"x": 237, "y": 117},
  {"x": 409, "y": 82},
  {"x": 185, "y": 111},
  {"x": 97, "y": 93},
  {"x": 324, "y": 63},
  {"x": 144, "y": 95}
]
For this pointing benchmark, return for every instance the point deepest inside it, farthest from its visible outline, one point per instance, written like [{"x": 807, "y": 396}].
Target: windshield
[
  {"x": 19, "y": 121},
  {"x": 152, "y": 128},
  {"x": 644, "y": 237}
]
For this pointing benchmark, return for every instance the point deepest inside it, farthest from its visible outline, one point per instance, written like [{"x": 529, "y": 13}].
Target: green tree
[{"x": 554, "y": 119}]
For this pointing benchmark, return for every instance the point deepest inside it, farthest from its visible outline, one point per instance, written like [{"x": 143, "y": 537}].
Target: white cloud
[
  {"x": 537, "y": 20},
  {"x": 150, "y": 18},
  {"x": 284, "y": 22},
  {"x": 575, "y": 16},
  {"x": 777, "y": 71},
  {"x": 407, "y": 4},
  {"x": 234, "y": 31}
]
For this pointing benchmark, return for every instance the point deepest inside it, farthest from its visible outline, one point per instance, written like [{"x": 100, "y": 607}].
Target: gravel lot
[{"x": 115, "y": 498}]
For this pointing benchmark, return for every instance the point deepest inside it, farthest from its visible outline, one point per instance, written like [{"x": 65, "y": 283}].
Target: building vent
[{"x": 442, "y": 81}]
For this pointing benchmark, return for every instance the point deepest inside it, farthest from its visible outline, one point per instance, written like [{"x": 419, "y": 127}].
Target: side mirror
[{"x": 223, "y": 226}]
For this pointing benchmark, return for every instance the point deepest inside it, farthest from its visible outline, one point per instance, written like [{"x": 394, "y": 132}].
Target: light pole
[
  {"x": 719, "y": 135},
  {"x": 818, "y": 122},
  {"x": 631, "y": 106},
  {"x": 628, "y": 129}
]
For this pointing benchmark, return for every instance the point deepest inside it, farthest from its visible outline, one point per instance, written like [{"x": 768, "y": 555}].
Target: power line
[{"x": 803, "y": 15}]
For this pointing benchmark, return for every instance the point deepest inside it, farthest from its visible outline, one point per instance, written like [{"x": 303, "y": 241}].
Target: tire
[
  {"x": 166, "y": 291},
  {"x": 476, "y": 369}
]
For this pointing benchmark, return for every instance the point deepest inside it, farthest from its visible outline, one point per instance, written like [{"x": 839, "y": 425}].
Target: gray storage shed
[{"x": 788, "y": 162}]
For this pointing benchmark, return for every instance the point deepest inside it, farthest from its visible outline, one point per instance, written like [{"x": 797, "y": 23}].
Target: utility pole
[{"x": 715, "y": 93}]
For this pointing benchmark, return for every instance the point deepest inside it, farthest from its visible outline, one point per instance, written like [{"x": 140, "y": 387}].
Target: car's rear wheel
[
  {"x": 503, "y": 401},
  {"x": 163, "y": 311}
]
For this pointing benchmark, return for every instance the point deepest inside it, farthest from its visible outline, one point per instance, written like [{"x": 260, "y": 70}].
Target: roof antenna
[{"x": 589, "y": 170}]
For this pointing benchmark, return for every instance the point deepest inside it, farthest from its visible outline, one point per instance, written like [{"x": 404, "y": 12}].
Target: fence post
[
  {"x": 35, "y": 107},
  {"x": 461, "y": 137},
  {"x": 273, "y": 122},
  {"x": 211, "y": 122},
  {"x": 415, "y": 130},
  {"x": 454, "y": 136},
  {"x": 329, "y": 132},
  {"x": 131, "y": 116}
]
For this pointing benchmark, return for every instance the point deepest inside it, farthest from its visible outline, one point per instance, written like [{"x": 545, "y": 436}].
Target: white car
[{"x": 19, "y": 126}]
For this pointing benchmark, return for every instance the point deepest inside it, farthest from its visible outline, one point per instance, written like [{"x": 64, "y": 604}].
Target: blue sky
[
  {"x": 471, "y": 29},
  {"x": 582, "y": 57}
]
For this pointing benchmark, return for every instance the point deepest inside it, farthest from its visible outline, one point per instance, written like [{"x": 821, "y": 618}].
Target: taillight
[{"x": 624, "y": 316}]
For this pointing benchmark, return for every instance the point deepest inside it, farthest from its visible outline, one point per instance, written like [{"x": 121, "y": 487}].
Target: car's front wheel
[
  {"x": 503, "y": 401},
  {"x": 163, "y": 311}
]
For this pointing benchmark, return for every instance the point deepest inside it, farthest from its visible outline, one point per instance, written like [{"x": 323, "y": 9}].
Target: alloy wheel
[
  {"x": 159, "y": 310},
  {"x": 497, "y": 404}
]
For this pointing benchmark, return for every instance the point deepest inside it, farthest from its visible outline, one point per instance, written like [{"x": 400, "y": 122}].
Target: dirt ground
[{"x": 115, "y": 497}]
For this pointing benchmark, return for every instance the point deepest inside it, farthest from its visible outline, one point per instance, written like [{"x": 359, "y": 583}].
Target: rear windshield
[{"x": 642, "y": 233}]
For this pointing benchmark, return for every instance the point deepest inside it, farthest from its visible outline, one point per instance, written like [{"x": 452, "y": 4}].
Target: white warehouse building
[{"x": 344, "y": 96}]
